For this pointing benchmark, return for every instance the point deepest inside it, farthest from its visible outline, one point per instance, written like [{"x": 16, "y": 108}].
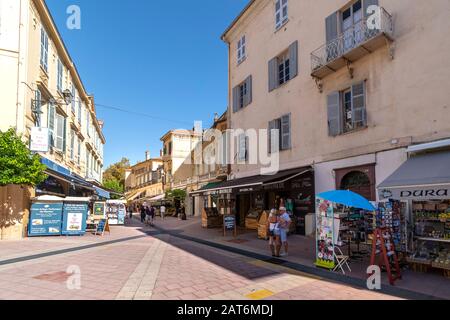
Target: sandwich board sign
[
  {"x": 102, "y": 227},
  {"x": 229, "y": 224}
]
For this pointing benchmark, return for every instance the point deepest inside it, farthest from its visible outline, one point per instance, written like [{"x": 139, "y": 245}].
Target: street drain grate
[{"x": 58, "y": 277}]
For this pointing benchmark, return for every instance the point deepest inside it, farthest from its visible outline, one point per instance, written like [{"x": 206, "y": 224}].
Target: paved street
[{"x": 153, "y": 266}]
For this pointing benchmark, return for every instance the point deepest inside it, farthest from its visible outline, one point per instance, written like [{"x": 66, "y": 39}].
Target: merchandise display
[
  {"x": 391, "y": 215},
  {"x": 251, "y": 220},
  {"x": 211, "y": 218}
]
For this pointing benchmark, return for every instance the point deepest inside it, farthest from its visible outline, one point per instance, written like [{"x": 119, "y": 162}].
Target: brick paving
[{"x": 155, "y": 267}]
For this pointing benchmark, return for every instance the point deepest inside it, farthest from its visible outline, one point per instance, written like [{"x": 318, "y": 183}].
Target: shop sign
[
  {"x": 410, "y": 193},
  {"x": 74, "y": 218},
  {"x": 226, "y": 191},
  {"x": 99, "y": 210},
  {"x": 45, "y": 219},
  {"x": 39, "y": 140}
]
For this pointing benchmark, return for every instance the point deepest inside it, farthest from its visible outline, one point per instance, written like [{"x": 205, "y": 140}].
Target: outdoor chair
[{"x": 341, "y": 260}]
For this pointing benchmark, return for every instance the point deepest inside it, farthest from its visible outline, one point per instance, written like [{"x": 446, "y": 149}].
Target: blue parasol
[{"x": 347, "y": 198}]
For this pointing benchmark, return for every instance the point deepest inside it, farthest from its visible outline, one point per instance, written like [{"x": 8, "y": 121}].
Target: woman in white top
[{"x": 272, "y": 226}]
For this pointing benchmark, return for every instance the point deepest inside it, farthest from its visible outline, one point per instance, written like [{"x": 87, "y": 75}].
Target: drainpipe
[
  {"x": 229, "y": 100},
  {"x": 18, "y": 67}
]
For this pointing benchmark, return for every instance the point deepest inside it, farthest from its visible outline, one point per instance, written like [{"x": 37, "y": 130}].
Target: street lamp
[{"x": 37, "y": 102}]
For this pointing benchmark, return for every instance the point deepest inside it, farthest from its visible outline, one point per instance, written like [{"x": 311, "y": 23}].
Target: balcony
[{"x": 353, "y": 44}]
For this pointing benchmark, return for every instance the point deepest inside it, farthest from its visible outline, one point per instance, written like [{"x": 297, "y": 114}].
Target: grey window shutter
[
  {"x": 286, "y": 132},
  {"x": 236, "y": 99},
  {"x": 65, "y": 134},
  {"x": 273, "y": 74},
  {"x": 331, "y": 23},
  {"x": 269, "y": 136},
  {"x": 334, "y": 114},
  {"x": 249, "y": 96},
  {"x": 293, "y": 60},
  {"x": 358, "y": 106},
  {"x": 367, "y": 4}
]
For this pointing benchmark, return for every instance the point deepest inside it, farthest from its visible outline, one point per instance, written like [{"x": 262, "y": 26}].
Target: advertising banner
[
  {"x": 74, "y": 218},
  {"x": 325, "y": 234},
  {"x": 39, "y": 141},
  {"x": 45, "y": 219}
]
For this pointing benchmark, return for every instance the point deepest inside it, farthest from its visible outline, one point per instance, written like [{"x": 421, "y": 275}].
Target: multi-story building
[
  {"x": 42, "y": 89},
  {"x": 144, "y": 179},
  {"x": 350, "y": 87},
  {"x": 210, "y": 166}
]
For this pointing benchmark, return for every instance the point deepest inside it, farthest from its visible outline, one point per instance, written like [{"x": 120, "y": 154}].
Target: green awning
[{"x": 209, "y": 186}]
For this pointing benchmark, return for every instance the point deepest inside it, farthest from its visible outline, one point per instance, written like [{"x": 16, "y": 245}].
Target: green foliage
[
  {"x": 113, "y": 185},
  {"x": 17, "y": 164},
  {"x": 176, "y": 194},
  {"x": 116, "y": 172}
]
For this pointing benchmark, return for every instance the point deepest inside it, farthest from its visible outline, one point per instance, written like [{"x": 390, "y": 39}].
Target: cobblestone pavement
[{"x": 155, "y": 267}]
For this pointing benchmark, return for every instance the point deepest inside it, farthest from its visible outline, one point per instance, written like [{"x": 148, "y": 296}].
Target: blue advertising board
[
  {"x": 45, "y": 219},
  {"x": 74, "y": 218}
]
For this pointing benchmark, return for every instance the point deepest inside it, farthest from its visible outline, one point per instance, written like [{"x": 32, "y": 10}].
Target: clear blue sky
[{"x": 163, "y": 58}]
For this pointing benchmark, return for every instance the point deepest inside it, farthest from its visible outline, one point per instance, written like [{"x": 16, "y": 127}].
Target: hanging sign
[
  {"x": 45, "y": 219},
  {"x": 325, "y": 234},
  {"x": 39, "y": 140},
  {"x": 99, "y": 210}
]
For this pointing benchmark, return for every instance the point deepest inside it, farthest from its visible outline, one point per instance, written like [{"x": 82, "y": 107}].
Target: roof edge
[{"x": 222, "y": 37}]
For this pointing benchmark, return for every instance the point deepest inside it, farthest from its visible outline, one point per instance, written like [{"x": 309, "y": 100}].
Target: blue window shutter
[
  {"x": 334, "y": 114},
  {"x": 293, "y": 60}
]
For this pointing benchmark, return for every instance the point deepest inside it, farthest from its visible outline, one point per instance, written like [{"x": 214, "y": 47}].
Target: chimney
[
  {"x": 147, "y": 155},
  {"x": 161, "y": 153},
  {"x": 101, "y": 123},
  {"x": 216, "y": 117}
]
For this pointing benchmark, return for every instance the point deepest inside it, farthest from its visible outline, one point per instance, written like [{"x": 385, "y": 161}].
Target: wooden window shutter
[
  {"x": 367, "y": 4},
  {"x": 249, "y": 96},
  {"x": 331, "y": 24},
  {"x": 273, "y": 74},
  {"x": 293, "y": 60},
  {"x": 334, "y": 114},
  {"x": 359, "y": 117},
  {"x": 236, "y": 99},
  {"x": 286, "y": 132}
]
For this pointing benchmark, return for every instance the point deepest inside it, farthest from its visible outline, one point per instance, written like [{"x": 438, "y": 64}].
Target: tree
[
  {"x": 17, "y": 164},
  {"x": 116, "y": 172},
  {"x": 176, "y": 194}
]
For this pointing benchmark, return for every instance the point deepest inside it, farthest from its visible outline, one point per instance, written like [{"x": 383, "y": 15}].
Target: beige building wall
[
  {"x": 21, "y": 75},
  {"x": 407, "y": 97}
]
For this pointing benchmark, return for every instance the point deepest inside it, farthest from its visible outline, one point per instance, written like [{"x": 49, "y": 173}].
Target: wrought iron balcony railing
[{"x": 360, "y": 39}]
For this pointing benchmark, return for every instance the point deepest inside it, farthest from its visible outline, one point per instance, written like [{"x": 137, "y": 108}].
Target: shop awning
[
  {"x": 157, "y": 198},
  {"x": 136, "y": 196},
  {"x": 424, "y": 177},
  {"x": 248, "y": 183},
  {"x": 102, "y": 193}
]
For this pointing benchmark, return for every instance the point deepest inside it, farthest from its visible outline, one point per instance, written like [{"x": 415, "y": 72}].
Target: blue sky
[{"x": 162, "y": 58}]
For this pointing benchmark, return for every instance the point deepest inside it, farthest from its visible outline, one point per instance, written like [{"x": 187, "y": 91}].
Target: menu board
[
  {"x": 325, "y": 234},
  {"x": 99, "y": 210},
  {"x": 45, "y": 219},
  {"x": 74, "y": 218},
  {"x": 229, "y": 222}
]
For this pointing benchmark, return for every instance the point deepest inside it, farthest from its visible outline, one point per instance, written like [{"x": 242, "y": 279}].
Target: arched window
[{"x": 358, "y": 182}]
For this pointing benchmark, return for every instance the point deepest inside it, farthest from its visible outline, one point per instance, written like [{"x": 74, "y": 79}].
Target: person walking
[
  {"x": 272, "y": 223},
  {"x": 152, "y": 215},
  {"x": 142, "y": 214},
  {"x": 130, "y": 212},
  {"x": 283, "y": 224},
  {"x": 162, "y": 211}
]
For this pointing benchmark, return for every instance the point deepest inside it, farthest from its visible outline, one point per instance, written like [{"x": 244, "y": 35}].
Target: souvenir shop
[
  {"x": 422, "y": 185},
  {"x": 251, "y": 199}
]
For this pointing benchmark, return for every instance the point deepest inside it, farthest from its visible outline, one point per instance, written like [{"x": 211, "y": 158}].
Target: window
[
  {"x": 60, "y": 128},
  {"x": 281, "y": 13},
  {"x": 347, "y": 110},
  {"x": 241, "y": 54},
  {"x": 44, "y": 50},
  {"x": 79, "y": 151},
  {"x": 37, "y": 107},
  {"x": 72, "y": 144},
  {"x": 88, "y": 121},
  {"x": 279, "y": 135},
  {"x": 352, "y": 25},
  {"x": 73, "y": 98},
  {"x": 80, "y": 108},
  {"x": 59, "y": 83},
  {"x": 51, "y": 123},
  {"x": 242, "y": 94},
  {"x": 242, "y": 147},
  {"x": 284, "y": 67},
  {"x": 170, "y": 148}
]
